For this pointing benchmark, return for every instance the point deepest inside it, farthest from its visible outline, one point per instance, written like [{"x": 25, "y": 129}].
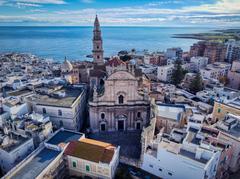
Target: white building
[
  {"x": 64, "y": 106},
  {"x": 13, "y": 149},
  {"x": 190, "y": 67},
  {"x": 148, "y": 69},
  {"x": 174, "y": 53},
  {"x": 15, "y": 107},
  {"x": 216, "y": 70},
  {"x": 164, "y": 73},
  {"x": 206, "y": 95},
  {"x": 46, "y": 161},
  {"x": 199, "y": 62},
  {"x": 168, "y": 159},
  {"x": 226, "y": 93},
  {"x": 92, "y": 158}
]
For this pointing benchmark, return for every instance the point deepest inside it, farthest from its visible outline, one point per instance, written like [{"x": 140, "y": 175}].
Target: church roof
[
  {"x": 115, "y": 61},
  {"x": 98, "y": 71},
  {"x": 91, "y": 150}
]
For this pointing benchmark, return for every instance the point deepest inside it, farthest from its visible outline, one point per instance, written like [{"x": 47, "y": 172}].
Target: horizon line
[{"x": 222, "y": 27}]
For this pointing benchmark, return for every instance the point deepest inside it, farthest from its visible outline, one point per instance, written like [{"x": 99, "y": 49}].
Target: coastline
[{"x": 215, "y": 35}]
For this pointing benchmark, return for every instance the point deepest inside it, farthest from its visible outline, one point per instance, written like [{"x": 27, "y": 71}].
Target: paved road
[
  {"x": 134, "y": 172},
  {"x": 130, "y": 142}
]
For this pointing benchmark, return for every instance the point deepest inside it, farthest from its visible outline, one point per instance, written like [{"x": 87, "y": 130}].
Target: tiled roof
[
  {"x": 115, "y": 62},
  {"x": 91, "y": 150}
]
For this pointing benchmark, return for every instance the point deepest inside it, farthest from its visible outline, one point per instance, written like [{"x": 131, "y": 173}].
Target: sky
[{"x": 222, "y": 13}]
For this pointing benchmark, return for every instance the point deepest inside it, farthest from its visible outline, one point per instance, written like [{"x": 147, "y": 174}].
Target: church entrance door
[
  {"x": 121, "y": 125},
  {"x": 138, "y": 126},
  {"x": 103, "y": 127}
]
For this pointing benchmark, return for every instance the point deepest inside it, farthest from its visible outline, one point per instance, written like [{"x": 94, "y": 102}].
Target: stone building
[
  {"x": 89, "y": 158},
  {"x": 119, "y": 106}
]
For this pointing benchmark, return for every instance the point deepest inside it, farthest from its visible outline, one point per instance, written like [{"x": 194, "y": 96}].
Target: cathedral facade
[
  {"x": 121, "y": 101},
  {"x": 120, "y": 106}
]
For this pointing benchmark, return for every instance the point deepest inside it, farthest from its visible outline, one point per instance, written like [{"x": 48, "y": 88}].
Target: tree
[
  {"x": 224, "y": 80},
  {"x": 196, "y": 85},
  {"x": 178, "y": 73},
  {"x": 125, "y": 58}
]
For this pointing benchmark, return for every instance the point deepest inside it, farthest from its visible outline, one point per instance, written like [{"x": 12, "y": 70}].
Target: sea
[{"x": 75, "y": 43}]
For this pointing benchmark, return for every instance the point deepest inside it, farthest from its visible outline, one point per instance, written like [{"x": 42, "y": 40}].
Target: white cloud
[
  {"x": 222, "y": 12},
  {"x": 22, "y": 4},
  {"x": 42, "y": 1},
  {"x": 221, "y": 6}
]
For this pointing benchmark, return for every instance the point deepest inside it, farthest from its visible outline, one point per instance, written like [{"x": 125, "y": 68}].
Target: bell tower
[{"x": 97, "y": 43}]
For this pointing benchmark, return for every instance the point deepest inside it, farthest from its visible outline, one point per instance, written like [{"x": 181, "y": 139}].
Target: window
[
  {"x": 98, "y": 56},
  {"x": 102, "y": 116},
  {"x": 74, "y": 164},
  {"x": 160, "y": 169},
  {"x": 139, "y": 114},
  {"x": 169, "y": 173},
  {"x": 87, "y": 168},
  {"x": 120, "y": 99},
  {"x": 60, "y": 112},
  {"x": 44, "y": 110},
  {"x": 97, "y": 47},
  {"x": 151, "y": 166},
  {"x": 219, "y": 110}
]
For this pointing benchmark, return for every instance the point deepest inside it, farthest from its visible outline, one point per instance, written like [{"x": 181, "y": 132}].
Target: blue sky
[{"x": 224, "y": 13}]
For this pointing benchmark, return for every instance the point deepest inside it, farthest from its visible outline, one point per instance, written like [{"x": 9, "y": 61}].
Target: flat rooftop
[
  {"x": 12, "y": 142},
  {"x": 235, "y": 103},
  {"x": 191, "y": 155},
  {"x": 71, "y": 94},
  {"x": 170, "y": 111},
  {"x": 64, "y": 136},
  {"x": 176, "y": 149},
  {"x": 235, "y": 131},
  {"x": 20, "y": 92},
  {"x": 33, "y": 168}
]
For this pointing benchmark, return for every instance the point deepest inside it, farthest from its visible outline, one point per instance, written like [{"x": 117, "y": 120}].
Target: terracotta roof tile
[
  {"x": 91, "y": 150},
  {"x": 115, "y": 62}
]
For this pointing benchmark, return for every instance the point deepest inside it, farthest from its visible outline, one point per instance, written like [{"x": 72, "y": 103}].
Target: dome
[{"x": 67, "y": 66}]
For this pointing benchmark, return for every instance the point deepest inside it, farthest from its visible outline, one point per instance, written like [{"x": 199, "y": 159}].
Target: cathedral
[{"x": 122, "y": 104}]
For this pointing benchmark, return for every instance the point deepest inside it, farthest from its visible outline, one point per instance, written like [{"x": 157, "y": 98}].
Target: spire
[{"x": 96, "y": 24}]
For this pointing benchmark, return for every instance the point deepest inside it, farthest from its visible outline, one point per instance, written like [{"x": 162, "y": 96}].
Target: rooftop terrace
[
  {"x": 12, "y": 142},
  {"x": 191, "y": 155},
  {"x": 71, "y": 94},
  {"x": 170, "y": 111},
  {"x": 33, "y": 168},
  {"x": 64, "y": 136}
]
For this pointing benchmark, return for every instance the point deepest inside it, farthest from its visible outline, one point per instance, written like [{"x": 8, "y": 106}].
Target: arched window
[
  {"x": 120, "y": 99},
  {"x": 102, "y": 116},
  {"x": 139, "y": 114},
  {"x": 44, "y": 110},
  {"x": 60, "y": 112}
]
